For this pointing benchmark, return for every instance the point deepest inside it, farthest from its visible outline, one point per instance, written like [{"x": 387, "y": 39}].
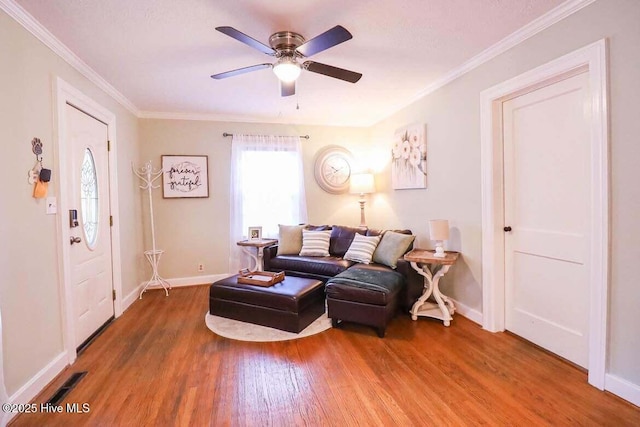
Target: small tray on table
[{"x": 260, "y": 278}]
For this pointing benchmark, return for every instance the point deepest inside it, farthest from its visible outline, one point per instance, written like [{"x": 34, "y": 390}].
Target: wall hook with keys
[{"x": 34, "y": 172}]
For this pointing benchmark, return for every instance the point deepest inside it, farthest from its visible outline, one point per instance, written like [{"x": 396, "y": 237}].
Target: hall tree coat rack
[{"x": 148, "y": 177}]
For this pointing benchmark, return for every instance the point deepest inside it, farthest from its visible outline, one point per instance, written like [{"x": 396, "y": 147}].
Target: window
[
  {"x": 270, "y": 190},
  {"x": 89, "y": 198},
  {"x": 267, "y": 187}
]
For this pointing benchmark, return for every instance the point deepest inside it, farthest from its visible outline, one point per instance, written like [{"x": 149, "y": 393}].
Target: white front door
[
  {"x": 91, "y": 270},
  {"x": 547, "y": 205}
]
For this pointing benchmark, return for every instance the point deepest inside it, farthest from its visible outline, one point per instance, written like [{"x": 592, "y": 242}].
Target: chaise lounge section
[
  {"x": 369, "y": 294},
  {"x": 364, "y": 294}
]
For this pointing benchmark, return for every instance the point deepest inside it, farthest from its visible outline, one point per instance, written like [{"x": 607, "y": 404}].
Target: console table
[
  {"x": 259, "y": 245},
  {"x": 432, "y": 269}
]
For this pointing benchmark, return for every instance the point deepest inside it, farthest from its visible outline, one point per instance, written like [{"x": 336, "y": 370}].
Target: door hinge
[
  {"x": 110, "y": 220},
  {"x": 114, "y": 294},
  {"x": 108, "y": 145}
]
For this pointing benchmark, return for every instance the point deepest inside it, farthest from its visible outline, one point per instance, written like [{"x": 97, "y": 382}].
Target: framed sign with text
[{"x": 185, "y": 176}]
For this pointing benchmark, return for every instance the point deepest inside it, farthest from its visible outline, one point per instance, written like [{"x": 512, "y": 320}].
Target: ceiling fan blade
[
  {"x": 331, "y": 71},
  {"x": 242, "y": 37},
  {"x": 240, "y": 71},
  {"x": 287, "y": 88},
  {"x": 324, "y": 41}
]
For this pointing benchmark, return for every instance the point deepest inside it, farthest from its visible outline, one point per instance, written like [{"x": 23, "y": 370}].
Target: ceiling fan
[{"x": 289, "y": 47}]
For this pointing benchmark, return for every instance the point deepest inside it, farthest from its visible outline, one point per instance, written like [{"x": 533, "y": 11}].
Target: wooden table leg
[
  {"x": 428, "y": 289},
  {"x": 440, "y": 298},
  {"x": 444, "y": 308},
  {"x": 247, "y": 250}
]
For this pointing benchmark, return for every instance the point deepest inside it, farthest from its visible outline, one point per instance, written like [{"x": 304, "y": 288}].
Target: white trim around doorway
[
  {"x": 593, "y": 58},
  {"x": 67, "y": 94}
]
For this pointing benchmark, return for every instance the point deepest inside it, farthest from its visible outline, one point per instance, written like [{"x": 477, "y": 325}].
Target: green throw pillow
[
  {"x": 289, "y": 239},
  {"x": 392, "y": 246}
]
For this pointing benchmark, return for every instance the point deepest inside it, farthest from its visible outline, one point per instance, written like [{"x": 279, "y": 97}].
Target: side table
[
  {"x": 259, "y": 245},
  {"x": 432, "y": 269}
]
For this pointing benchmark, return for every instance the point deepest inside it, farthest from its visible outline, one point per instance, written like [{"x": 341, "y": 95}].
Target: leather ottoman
[
  {"x": 365, "y": 294},
  {"x": 290, "y": 305}
]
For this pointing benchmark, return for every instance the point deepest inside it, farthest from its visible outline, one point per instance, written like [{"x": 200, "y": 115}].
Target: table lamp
[
  {"x": 361, "y": 183},
  {"x": 439, "y": 231}
]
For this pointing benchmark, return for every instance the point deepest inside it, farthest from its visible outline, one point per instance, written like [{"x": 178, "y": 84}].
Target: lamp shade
[
  {"x": 439, "y": 229},
  {"x": 287, "y": 69},
  {"x": 361, "y": 183}
]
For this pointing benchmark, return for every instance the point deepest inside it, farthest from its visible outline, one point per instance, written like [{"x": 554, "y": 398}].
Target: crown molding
[
  {"x": 172, "y": 115},
  {"x": 539, "y": 24},
  {"x": 211, "y": 117},
  {"x": 557, "y": 14},
  {"x": 20, "y": 15}
]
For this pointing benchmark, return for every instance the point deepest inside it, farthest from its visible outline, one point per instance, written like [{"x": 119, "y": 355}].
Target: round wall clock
[{"x": 332, "y": 169}]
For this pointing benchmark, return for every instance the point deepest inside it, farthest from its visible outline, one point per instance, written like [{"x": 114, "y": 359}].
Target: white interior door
[
  {"x": 547, "y": 206},
  {"x": 90, "y": 252}
]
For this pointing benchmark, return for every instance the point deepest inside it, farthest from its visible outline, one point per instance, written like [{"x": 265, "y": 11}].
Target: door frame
[
  {"x": 67, "y": 94},
  {"x": 593, "y": 59}
]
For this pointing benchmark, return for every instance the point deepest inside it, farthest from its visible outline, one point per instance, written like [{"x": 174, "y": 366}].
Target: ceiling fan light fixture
[
  {"x": 288, "y": 48},
  {"x": 287, "y": 69}
]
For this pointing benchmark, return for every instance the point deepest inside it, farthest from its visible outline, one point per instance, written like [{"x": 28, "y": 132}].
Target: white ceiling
[{"x": 159, "y": 54}]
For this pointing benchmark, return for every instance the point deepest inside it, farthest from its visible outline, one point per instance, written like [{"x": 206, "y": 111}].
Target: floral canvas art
[{"x": 409, "y": 158}]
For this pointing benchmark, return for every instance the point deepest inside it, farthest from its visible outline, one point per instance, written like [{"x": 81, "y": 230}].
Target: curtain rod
[{"x": 230, "y": 134}]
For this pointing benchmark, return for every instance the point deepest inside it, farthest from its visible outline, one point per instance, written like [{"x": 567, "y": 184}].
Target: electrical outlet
[{"x": 200, "y": 267}]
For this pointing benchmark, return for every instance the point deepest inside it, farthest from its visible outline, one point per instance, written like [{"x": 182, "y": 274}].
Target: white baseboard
[
  {"x": 131, "y": 298},
  {"x": 622, "y": 388},
  {"x": 466, "y": 311},
  {"x": 188, "y": 281},
  {"x": 196, "y": 280},
  {"x": 38, "y": 382},
  {"x": 175, "y": 283}
]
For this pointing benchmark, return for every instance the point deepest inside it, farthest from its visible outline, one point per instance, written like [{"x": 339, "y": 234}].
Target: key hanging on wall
[
  {"x": 38, "y": 175},
  {"x": 34, "y": 172}
]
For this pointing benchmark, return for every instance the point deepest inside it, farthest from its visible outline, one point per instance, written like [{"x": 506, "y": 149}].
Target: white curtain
[{"x": 267, "y": 189}]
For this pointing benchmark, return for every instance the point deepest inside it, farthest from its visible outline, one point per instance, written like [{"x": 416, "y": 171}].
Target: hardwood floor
[{"x": 158, "y": 364}]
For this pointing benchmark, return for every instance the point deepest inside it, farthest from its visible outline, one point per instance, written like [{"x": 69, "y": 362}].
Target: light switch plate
[{"x": 52, "y": 206}]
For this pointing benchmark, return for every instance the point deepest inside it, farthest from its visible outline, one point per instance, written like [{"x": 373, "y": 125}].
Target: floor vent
[{"x": 66, "y": 388}]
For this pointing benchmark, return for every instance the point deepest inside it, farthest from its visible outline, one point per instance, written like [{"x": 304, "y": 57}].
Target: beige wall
[
  {"x": 452, "y": 116},
  {"x": 29, "y": 288},
  {"x": 194, "y": 231}
]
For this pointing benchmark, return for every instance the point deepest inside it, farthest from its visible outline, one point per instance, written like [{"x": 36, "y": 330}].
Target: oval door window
[{"x": 89, "y": 198}]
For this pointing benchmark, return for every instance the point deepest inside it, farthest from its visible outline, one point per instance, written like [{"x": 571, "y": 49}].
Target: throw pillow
[
  {"x": 362, "y": 248},
  {"x": 315, "y": 243},
  {"x": 289, "y": 239},
  {"x": 392, "y": 246}
]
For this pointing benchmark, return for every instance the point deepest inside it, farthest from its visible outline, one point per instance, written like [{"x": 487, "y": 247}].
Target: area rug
[{"x": 242, "y": 331}]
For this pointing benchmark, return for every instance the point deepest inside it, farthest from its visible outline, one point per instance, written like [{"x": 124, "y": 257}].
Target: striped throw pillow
[
  {"x": 315, "y": 243},
  {"x": 362, "y": 248}
]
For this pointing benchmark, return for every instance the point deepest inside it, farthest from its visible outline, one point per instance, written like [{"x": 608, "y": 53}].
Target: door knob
[
  {"x": 507, "y": 228},
  {"x": 75, "y": 240}
]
